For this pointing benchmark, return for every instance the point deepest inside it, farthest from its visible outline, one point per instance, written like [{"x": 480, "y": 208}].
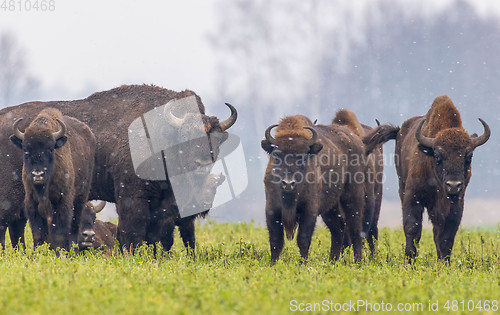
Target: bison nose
[
  {"x": 288, "y": 185},
  {"x": 453, "y": 187},
  {"x": 88, "y": 234}
]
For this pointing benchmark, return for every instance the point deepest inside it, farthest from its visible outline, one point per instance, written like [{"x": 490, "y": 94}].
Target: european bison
[
  {"x": 95, "y": 233},
  {"x": 58, "y": 160},
  {"x": 310, "y": 173},
  {"x": 373, "y": 184},
  {"x": 109, "y": 115},
  {"x": 433, "y": 162}
]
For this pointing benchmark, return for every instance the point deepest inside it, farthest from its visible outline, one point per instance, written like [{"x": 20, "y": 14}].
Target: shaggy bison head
[
  {"x": 87, "y": 220},
  {"x": 198, "y": 139},
  {"x": 452, "y": 150},
  {"x": 38, "y": 145}
]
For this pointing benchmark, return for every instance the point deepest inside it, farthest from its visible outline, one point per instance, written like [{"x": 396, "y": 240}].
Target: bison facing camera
[{"x": 204, "y": 164}]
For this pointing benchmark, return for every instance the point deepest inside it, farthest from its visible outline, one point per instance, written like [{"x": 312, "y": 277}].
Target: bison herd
[{"x": 56, "y": 156}]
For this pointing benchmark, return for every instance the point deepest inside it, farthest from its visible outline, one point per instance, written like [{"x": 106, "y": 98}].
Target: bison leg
[
  {"x": 352, "y": 204},
  {"x": 412, "y": 224},
  {"x": 60, "y": 227},
  {"x": 38, "y": 227},
  {"x": 307, "y": 223},
  {"x": 134, "y": 220},
  {"x": 167, "y": 238},
  {"x": 276, "y": 237},
  {"x": 186, "y": 229},
  {"x": 16, "y": 231},
  {"x": 447, "y": 234},
  {"x": 336, "y": 225}
]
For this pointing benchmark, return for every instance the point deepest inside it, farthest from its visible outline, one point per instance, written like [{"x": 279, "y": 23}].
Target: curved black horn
[
  {"x": 268, "y": 134},
  {"x": 423, "y": 140},
  {"x": 314, "y": 137},
  {"x": 226, "y": 124},
  {"x": 61, "y": 132},
  {"x": 378, "y": 122},
  {"x": 477, "y": 141},
  {"x": 17, "y": 132}
]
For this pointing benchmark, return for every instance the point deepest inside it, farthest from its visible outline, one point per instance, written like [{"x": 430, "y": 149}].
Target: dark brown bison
[
  {"x": 109, "y": 115},
  {"x": 433, "y": 162},
  {"x": 310, "y": 173},
  {"x": 95, "y": 233},
  {"x": 373, "y": 184},
  {"x": 58, "y": 160}
]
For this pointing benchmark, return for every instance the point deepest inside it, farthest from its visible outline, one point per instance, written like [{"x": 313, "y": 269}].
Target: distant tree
[{"x": 16, "y": 83}]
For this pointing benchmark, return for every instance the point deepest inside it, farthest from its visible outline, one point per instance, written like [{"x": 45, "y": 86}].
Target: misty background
[{"x": 382, "y": 59}]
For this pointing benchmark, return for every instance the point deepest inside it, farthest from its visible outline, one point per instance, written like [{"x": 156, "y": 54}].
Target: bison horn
[
  {"x": 99, "y": 207},
  {"x": 378, "y": 122},
  {"x": 173, "y": 120},
  {"x": 423, "y": 140},
  {"x": 17, "y": 132},
  {"x": 268, "y": 134},
  {"x": 61, "y": 132},
  {"x": 477, "y": 141},
  {"x": 314, "y": 137},
  {"x": 226, "y": 124}
]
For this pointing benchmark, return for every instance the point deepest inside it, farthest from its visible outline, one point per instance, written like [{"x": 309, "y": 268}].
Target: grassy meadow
[{"x": 230, "y": 273}]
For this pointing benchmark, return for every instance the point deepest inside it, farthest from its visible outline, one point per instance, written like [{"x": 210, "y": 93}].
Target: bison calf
[
  {"x": 433, "y": 162},
  {"x": 95, "y": 233},
  {"x": 310, "y": 173},
  {"x": 57, "y": 172}
]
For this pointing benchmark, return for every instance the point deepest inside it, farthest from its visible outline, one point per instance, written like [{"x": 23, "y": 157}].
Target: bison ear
[
  {"x": 426, "y": 150},
  {"x": 18, "y": 142},
  {"x": 61, "y": 141},
  {"x": 267, "y": 146},
  {"x": 315, "y": 148}
]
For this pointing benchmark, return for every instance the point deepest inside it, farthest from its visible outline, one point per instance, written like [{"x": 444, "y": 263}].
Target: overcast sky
[
  {"x": 108, "y": 43},
  {"x": 103, "y": 44}
]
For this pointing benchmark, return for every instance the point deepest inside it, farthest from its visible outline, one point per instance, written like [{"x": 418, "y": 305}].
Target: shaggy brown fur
[
  {"x": 108, "y": 114},
  {"x": 298, "y": 186},
  {"x": 68, "y": 177},
  {"x": 373, "y": 184},
  {"x": 347, "y": 118},
  {"x": 433, "y": 172}
]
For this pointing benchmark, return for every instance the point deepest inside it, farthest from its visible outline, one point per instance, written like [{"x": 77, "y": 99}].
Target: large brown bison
[
  {"x": 109, "y": 115},
  {"x": 373, "y": 184},
  {"x": 57, "y": 164},
  {"x": 433, "y": 162},
  {"x": 310, "y": 173},
  {"x": 94, "y": 233}
]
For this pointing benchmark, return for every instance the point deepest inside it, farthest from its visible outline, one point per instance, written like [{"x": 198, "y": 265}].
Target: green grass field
[{"x": 231, "y": 274}]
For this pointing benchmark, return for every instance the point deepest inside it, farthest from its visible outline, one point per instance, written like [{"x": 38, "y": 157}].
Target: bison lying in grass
[{"x": 95, "y": 233}]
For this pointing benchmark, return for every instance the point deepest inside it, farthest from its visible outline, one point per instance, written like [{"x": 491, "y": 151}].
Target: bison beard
[
  {"x": 289, "y": 214},
  {"x": 108, "y": 114},
  {"x": 433, "y": 159}
]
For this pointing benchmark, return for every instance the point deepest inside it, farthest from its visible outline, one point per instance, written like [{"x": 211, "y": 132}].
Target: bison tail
[{"x": 379, "y": 135}]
